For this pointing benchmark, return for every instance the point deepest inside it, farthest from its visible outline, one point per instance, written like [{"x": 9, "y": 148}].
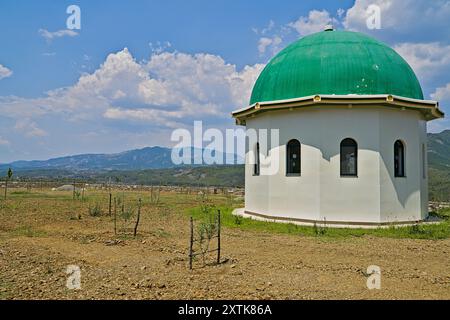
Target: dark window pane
[
  {"x": 293, "y": 157},
  {"x": 399, "y": 159},
  {"x": 256, "y": 167},
  {"x": 349, "y": 157}
]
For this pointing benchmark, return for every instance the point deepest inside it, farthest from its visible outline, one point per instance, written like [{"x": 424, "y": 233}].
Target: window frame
[
  {"x": 355, "y": 145},
  {"x": 257, "y": 165},
  {"x": 397, "y": 173},
  {"x": 288, "y": 148}
]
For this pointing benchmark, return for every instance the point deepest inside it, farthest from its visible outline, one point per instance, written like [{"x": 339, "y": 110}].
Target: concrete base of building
[{"x": 333, "y": 224}]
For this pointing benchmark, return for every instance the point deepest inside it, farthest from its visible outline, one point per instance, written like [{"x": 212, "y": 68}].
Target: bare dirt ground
[{"x": 40, "y": 237}]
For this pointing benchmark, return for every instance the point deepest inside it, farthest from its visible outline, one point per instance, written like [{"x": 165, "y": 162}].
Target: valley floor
[{"x": 41, "y": 233}]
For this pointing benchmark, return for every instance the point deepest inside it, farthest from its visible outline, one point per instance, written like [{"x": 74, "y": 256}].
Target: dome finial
[{"x": 328, "y": 27}]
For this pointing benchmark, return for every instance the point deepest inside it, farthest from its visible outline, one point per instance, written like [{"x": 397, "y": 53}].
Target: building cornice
[{"x": 429, "y": 108}]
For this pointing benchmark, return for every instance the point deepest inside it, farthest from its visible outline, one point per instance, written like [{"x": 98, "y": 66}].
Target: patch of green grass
[
  {"x": 443, "y": 214},
  {"x": 95, "y": 211},
  {"x": 429, "y": 231},
  {"x": 160, "y": 233},
  {"x": 27, "y": 231},
  {"x": 5, "y": 288},
  {"x": 22, "y": 192}
]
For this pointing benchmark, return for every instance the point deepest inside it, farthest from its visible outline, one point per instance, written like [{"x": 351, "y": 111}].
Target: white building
[{"x": 352, "y": 135}]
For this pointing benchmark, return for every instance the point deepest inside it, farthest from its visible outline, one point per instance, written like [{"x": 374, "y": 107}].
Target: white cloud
[
  {"x": 171, "y": 88},
  {"x": 265, "y": 30},
  {"x": 273, "y": 39},
  {"x": 144, "y": 115},
  {"x": 263, "y": 43},
  {"x": 315, "y": 22},
  {"x": 49, "y": 36},
  {"x": 4, "y": 142},
  {"x": 427, "y": 59},
  {"x": 410, "y": 17},
  {"x": 5, "y": 72},
  {"x": 340, "y": 12},
  {"x": 29, "y": 128},
  {"x": 356, "y": 17},
  {"x": 442, "y": 93},
  {"x": 273, "y": 43}
]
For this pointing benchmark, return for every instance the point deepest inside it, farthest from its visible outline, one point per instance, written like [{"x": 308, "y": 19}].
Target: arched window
[
  {"x": 349, "y": 158},
  {"x": 256, "y": 167},
  {"x": 293, "y": 157},
  {"x": 399, "y": 159}
]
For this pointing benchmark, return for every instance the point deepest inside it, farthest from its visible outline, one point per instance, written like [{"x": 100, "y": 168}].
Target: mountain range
[
  {"x": 160, "y": 158},
  {"x": 439, "y": 150},
  {"x": 138, "y": 159}
]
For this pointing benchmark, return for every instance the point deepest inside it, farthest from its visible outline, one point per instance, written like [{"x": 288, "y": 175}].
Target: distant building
[{"x": 352, "y": 135}]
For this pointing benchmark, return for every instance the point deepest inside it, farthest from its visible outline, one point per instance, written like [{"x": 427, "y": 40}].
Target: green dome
[{"x": 336, "y": 62}]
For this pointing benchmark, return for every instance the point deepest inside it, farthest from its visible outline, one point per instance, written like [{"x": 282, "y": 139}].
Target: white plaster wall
[
  {"x": 320, "y": 192},
  {"x": 423, "y": 168},
  {"x": 402, "y": 198}
]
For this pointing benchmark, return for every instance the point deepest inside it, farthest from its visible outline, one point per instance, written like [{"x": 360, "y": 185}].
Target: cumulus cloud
[
  {"x": 170, "y": 89},
  {"x": 427, "y": 59},
  {"x": 29, "y": 128},
  {"x": 273, "y": 38},
  {"x": 265, "y": 30},
  {"x": 50, "y": 35},
  {"x": 314, "y": 22},
  {"x": 442, "y": 93},
  {"x": 273, "y": 43},
  {"x": 356, "y": 17},
  {"x": 409, "y": 18},
  {"x": 5, "y": 72}
]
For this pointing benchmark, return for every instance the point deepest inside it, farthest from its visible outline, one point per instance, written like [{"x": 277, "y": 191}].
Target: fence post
[
  {"x": 115, "y": 216},
  {"x": 218, "y": 236},
  {"x": 138, "y": 217},
  {"x": 191, "y": 244},
  {"x": 6, "y": 186},
  {"x": 110, "y": 204},
  {"x": 73, "y": 195}
]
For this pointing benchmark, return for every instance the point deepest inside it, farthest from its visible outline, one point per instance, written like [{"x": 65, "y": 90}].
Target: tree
[{"x": 9, "y": 176}]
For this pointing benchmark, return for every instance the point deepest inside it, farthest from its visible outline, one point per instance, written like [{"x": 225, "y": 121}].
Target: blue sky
[{"x": 136, "y": 70}]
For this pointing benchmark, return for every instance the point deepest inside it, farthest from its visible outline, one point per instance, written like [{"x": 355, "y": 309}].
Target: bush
[
  {"x": 127, "y": 213},
  {"x": 320, "y": 231},
  {"x": 238, "y": 220},
  {"x": 416, "y": 229},
  {"x": 206, "y": 229},
  {"x": 95, "y": 211}
]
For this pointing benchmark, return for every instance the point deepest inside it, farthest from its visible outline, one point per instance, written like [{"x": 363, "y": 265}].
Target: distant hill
[
  {"x": 138, "y": 159},
  {"x": 439, "y": 150},
  {"x": 212, "y": 175},
  {"x": 154, "y": 157},
  {"x": 439, "y": 165}
]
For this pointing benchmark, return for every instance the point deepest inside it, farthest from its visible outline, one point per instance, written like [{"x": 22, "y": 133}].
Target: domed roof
[{"x": 336, "y": 62}]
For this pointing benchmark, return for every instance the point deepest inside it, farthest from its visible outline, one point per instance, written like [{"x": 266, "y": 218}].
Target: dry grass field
[{"x": 42, "y": 232}]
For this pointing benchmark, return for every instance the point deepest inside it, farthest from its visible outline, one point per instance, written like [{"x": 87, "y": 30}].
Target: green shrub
[{"x": 95, "y": 211}]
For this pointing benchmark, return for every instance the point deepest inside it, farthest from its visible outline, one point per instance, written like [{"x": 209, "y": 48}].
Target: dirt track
[{"x": 258, "y": 265}]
